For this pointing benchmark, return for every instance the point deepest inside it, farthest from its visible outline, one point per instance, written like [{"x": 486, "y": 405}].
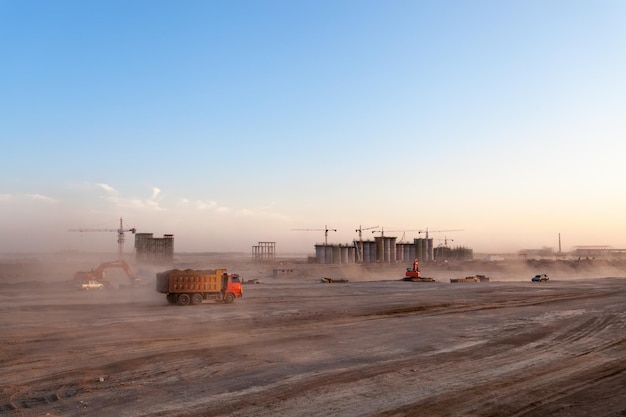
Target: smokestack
[{"x": 559, "y": 243}]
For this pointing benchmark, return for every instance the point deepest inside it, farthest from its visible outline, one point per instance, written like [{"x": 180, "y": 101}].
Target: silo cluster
[
  {"x": 335, "y": 254},
  {"x": 382, "y": 250}
]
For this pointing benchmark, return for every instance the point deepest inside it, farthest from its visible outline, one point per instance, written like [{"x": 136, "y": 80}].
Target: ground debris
[{"x": 333, "y": 281}]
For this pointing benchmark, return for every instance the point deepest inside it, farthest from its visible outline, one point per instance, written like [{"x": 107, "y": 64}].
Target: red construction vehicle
[
  {"x": 99, "y": 273},
  {"x": 414, "y": 274},
  {"x": 191, "y": 286}
]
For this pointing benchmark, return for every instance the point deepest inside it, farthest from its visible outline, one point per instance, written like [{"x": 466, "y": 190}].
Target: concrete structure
[
  {"x": 282, "y": 273},
  {"x": 383, "y": 250},
  {"x": 335, "y": 254},
  {"x": 264, "y": 252},
  {"x": 154, "y": 249}
]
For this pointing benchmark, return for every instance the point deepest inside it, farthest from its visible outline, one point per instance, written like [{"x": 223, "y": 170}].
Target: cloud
[
  {"x": 261, "y": 212},
  {"x": 201, "y": 205},
  {"x": 135, "y": 203},
  {"x": 210, "y": 205},
  {"x": 22, "y": 197},
  {"x": 153, "y": 205},
  {"x": 107, "y": 188},
  {"x": 41, "y": 197},
  {"x": 114, "y": 198}
]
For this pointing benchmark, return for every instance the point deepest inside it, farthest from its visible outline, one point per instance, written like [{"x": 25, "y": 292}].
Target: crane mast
[{"x": 360, "y": 230}]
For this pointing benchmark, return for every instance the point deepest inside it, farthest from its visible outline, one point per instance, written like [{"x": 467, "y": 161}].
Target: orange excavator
[
  {"x": 99, "y": 275},
  {"x": 414, "y": 274}
]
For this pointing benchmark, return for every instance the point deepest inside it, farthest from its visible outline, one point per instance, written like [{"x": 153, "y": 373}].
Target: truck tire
[
  {"x": 196, "y": 299},
  {"x": 229, "y": 298},
  {"x": 183, "y": 299}
]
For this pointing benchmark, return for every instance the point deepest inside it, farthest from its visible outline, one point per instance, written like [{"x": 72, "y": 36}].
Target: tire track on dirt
[{"x": 248, "y": 383}]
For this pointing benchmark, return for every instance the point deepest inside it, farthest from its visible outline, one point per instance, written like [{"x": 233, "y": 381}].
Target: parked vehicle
[
  {"x": 540, "y": 278},
  {"x": 91, "y": 285},
  {"x": 191, "y": 286}
]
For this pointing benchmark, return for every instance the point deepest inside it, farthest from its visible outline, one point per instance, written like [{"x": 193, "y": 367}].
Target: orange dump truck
[{"x": 192, "y": 286}]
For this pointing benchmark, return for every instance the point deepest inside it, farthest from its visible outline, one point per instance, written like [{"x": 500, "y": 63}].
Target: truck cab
[{"x": 231, "y": 284}]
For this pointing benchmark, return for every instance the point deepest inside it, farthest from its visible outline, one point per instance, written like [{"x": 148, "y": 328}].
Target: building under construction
[
  {"x": 264, "y": 252},
  {"x": 381, "y": 250},
  {"x": 151, "y": 249}
]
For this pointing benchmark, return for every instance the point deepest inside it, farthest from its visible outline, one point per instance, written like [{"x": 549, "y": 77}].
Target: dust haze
[{"x": 371, "y": 346}]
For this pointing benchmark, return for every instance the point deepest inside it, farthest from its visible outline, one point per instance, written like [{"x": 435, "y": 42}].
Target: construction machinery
[
  {"x": 425, "y": 231},
  {"x": 120, "y": 235},
  {"x": 413, "y": 274},
  {"x": 325, "y": 230},
  {"x": 192, "y": 286},
  {"x": 477, "y": 278},
  {"x": 99, "y": 274}
]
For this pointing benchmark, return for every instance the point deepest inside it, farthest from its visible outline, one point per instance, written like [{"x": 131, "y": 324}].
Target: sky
[{"x": 495, "y": 125}]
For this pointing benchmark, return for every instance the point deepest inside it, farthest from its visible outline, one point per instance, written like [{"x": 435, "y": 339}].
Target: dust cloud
[{"x": 371, "y": 346}]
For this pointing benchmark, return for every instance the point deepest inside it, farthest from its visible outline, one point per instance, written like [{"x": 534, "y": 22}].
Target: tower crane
[
  {"x": 325, "y": 230},
  {"x": 437, "y": 231},
  {"x": 442, "y": 248},
  {"x": 445, "y": 241},
  {"x": 120, "y": 235},
  {"x": 360, "y": 230},
  {"x": 403, "y": 233},
  {"x": 382, "y": 232}
]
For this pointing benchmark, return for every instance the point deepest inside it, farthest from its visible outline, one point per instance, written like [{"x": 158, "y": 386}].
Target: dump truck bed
[{"x": 190, "y": 280}]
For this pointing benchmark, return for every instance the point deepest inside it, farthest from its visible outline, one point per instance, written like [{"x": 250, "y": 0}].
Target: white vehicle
[
  {"x": 91, "y": 285},
  {"x": 540, "y": 278}
]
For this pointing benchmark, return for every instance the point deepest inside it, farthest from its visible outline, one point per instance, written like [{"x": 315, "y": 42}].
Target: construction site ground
[{"x": 294, "y": 346}]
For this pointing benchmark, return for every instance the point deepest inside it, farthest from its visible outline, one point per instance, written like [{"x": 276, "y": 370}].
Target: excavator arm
[{"x": 98, "y": 273}]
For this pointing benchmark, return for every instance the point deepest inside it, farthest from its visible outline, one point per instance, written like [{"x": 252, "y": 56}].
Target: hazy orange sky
[{"x": 230, "y": 123}]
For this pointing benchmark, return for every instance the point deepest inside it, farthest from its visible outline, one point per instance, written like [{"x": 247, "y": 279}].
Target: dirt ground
[{"x": 375, "y": 346}]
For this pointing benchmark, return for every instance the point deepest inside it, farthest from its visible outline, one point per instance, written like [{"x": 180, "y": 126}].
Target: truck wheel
[
  {"x": 229, "y": 298},
  {"x": 183, "y": 299},
  {"x": 196, "y": 299}
]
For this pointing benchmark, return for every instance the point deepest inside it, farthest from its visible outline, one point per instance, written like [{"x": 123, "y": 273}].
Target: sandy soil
[{"x": 375, "y": 346}]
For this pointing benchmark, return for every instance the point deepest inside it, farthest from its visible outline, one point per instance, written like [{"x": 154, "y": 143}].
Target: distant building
[
  {"x": 151, "y": 249},
  {"x": 384, "y": 250},
  {"x": 602, "y": 252}
]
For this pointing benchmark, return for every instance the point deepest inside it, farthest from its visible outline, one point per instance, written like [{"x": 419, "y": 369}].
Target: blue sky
[{"x": 227, "y": 123}]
